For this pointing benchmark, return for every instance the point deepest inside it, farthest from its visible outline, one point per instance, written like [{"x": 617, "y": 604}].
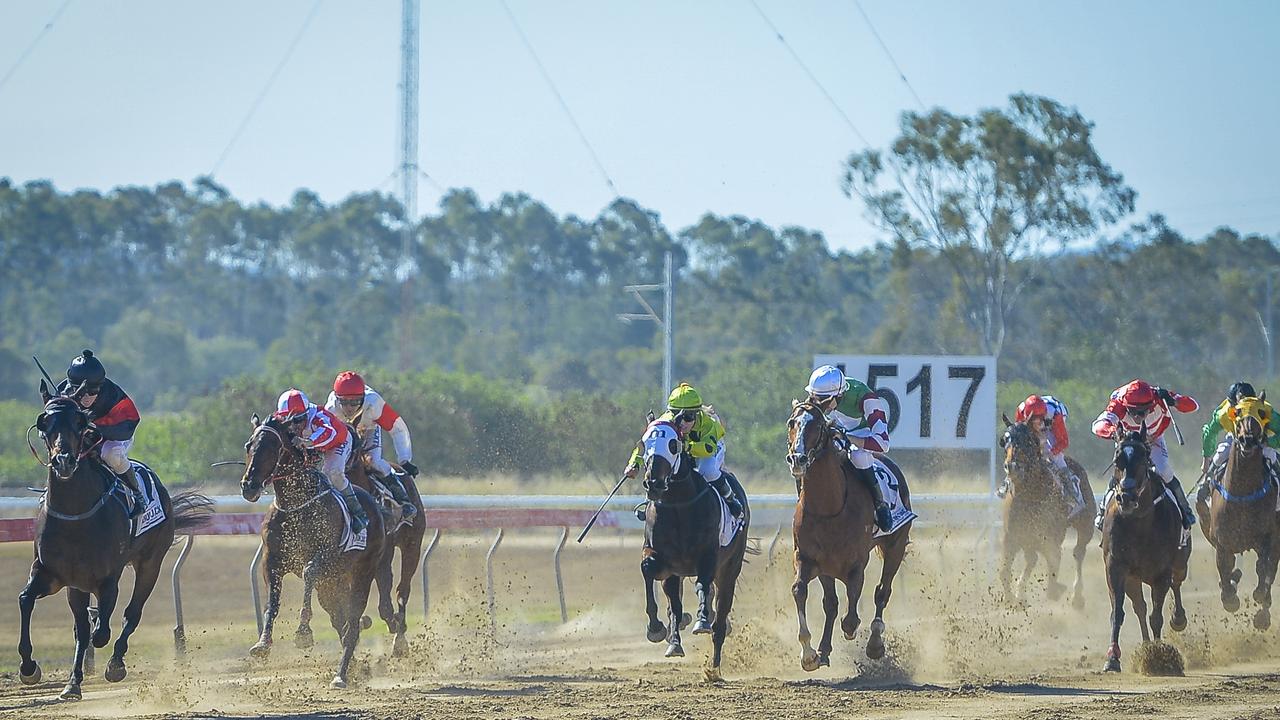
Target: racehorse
[
  {"x": 302, "y": 535},
  {"x": 84, "y": 539},
  {"x": 405, "y": 536},
  {"x": 834, "y": 532},
  {"x": 1036, "y": 514},
  {"x": 1239, "y": 512},
  {"x": 682, "y": 539},
  {"x": 1140, "y": 544}
]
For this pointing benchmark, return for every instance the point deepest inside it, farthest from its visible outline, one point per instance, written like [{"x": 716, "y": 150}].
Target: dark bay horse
[
  {"x": 682, "y": 539},
  {"x": 84, "y": 540},
  {"x": 406, "y": 537},
  {"x": 1239, "y": 513},
  {"x": 301, "y": 535},
  {"x": 834, "y": 532},
  {"x": 1140, "y": 545},
  {"x": 1036, "y": 514}
]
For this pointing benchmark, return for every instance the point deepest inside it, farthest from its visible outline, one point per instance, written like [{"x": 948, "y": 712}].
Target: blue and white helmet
[{"x": 826, "y": 381}]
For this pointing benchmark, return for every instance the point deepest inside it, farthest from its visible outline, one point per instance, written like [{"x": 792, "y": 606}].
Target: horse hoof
[
  {"x": 1236, "y": 575},
  {"x": 1113, "y": 665},
  {"x": 399, "y": 646},
  {"x": 702, "y": 627},
  {"x": 656, "y": 635},
  {"x": 809, "y": 661},
  {"x": 338, "y": 683},
  {"x": 675, "y": 650},
  {"x": 1262, "y": 620},
  {"x": 366, "y": 622},
  {"x": 824, "y": 660},
  {"x": 102, "y": 637},
  {"x": 1231, "y": 603},
  {"x": 70, "y": 692},
  {"x": 261, "y": 650},
  {"x": 33, "y": 677},
  {"x": 712, "y": 674},
  {"x": 685, "y": 619},
  {"x": 115, "y": 670},
  {"x": 875, "y": 647},
  {"x": 1179, "y": 622},
  {"x": 302, "y": 640},
  {"x": 1260, "y": 596}
]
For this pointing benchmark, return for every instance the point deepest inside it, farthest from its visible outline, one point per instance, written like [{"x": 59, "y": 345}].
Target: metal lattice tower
[{"x": 408, "y": 164}]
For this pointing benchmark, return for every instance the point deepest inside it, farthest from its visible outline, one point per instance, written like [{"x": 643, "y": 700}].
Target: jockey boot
[
  {"x": 401, "y": 495},
  {"x": 884, "y": 519},
  {"x": 359, "y": 520},
  {"x": 1073, "y": 493},
  {"x": 130, "y": 479},
  {"x": 1003, "y": 490},
  {"x": 1188, "y": 518},
  {"x": 722, "y": 486},
  {"x": 1102, "y": 506},
  {"x": 642, "y": 511}
]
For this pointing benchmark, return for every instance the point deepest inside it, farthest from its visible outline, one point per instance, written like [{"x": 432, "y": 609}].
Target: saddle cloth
[
  {"x": 899, "y": 513},
  {"x": 153, "y": 513},
  {"x": 349, "y": 541},
  {"x": 729, "y": 525}
]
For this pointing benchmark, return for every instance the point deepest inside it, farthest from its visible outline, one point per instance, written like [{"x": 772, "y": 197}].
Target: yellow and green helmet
[{"x": 684, "y": 397}]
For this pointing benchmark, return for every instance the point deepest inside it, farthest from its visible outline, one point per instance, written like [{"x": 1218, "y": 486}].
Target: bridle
[
  {"x": 85, "y": 451},
  {"x": 800, "y": 458}
]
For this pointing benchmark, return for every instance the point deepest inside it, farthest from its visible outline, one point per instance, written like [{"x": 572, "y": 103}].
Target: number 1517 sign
[{"x": 942, "y": 401}]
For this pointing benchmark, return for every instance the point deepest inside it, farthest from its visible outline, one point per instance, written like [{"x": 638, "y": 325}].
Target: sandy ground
[{"x": 956, "y": 649}]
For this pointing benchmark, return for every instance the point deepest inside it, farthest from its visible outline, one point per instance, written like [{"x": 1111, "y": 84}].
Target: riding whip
[
  {"x": 592, "y": 521},
  {"x": 53, "y": 386}
]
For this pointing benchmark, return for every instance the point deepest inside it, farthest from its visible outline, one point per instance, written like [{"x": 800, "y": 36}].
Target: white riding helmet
[{"x": 826, "y": 381}]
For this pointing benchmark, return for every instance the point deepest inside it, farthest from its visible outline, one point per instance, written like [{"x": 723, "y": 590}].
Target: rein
[
  {"x": 829, "y": 436},
  {"x": 321, "y": 490}
]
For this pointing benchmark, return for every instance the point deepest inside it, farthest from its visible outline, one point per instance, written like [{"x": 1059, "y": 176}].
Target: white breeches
[
  {"x": 1224, "y": 447},
  {"x": 861, "y": 459},
  {"x": 373, "y": 451},
  {"x": 115, "y": 453},
  {"x": 334, "y": 465},
  {"x": 1160, "y": 459},
  {"x": 710, "y": 467}
]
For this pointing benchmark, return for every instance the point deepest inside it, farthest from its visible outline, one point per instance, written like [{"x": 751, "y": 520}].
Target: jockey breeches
[
  {"x": 115, "y": 453},
  {"x": 334, "y": 465},
  {"x": 710, "y": 467}
]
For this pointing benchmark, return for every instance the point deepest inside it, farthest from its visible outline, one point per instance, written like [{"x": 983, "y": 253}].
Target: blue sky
[{"x": 691, "y": 106}]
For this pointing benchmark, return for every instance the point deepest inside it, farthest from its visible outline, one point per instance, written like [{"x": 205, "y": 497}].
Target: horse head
[
  {"x": 664, "y": 458},
  {"x": 266, "y": 451},
  {"x": 1133, "y": 464},
  {"x": 62, "y": 426},
  {"x": 1251, "y": 415},
  {"x": 1024, "y": 458},
  {"x": 806, "y": 436}
]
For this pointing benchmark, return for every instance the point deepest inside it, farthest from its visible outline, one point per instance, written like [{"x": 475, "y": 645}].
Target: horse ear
[
  {"x": 255, "y": 420},
  {"x": 45, "y": 395},
  {"x": 42, "y": 422},
  {"x": 1262, "y": 396},
  {"x": 1005, "y": 417},
  {"x": 649, "y": 416},
  {"x": 794, "y": 403}
]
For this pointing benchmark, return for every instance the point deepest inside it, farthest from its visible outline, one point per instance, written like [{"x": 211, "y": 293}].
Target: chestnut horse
[
  {"x": 84, "y": 539},
  {"x": 1239, "y": 513},
  {"x": 834, "y": 532},
  {"x": 1141, "y": 530},
  {"x": 682, "y": 539},
  {"x": 301, "y": 535},
  {"x": 1035, "y": 514}
]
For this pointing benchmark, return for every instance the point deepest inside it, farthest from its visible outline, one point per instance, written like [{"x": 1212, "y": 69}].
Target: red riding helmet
[
  {"x": 1032, "y": 406},
  {"x": 291, "y": 405},
  {"x": 348, "y": 383},
  {"x": 1138, "y": 394}
]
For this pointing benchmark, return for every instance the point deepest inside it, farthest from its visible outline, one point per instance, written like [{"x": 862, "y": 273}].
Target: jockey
[
  {"x": 1132, "y": 408},
  {"x": 352, "y": 400},
  {"x": 703, "y": 439},
  {"x": 112, "y": 415},
  {"x": 864, "y": 417},
  {"x": 1215, "y": 453},
  {"x": 314, "y": 428},
  {"x": 1046, "y": 416}
]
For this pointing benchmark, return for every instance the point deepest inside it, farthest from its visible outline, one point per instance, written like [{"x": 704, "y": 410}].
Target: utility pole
[
  {"x": 666, "y": 321},
  {"x": 408, "y": 169},
  {"x": 1268, "y": 332}
]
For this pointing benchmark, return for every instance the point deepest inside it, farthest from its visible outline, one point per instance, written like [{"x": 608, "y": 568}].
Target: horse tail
[{"x": 191, "y": 510}]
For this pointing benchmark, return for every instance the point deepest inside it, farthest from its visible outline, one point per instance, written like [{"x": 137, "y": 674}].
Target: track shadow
[
  {"x": 1038, "y": 689},
  {"x": 463, "y": 691}
]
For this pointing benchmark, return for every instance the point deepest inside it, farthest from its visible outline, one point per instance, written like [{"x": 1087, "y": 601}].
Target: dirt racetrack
[{"x": 955, "y": 650}]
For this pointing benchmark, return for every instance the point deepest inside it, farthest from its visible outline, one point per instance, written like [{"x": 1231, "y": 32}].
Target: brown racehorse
[
  {"x": 1140, "y": 534},
  {"x": 406, "y": 537},
  {"x": 84, "y": 540},
  {"x": 301, "y": 534},
  {"x": 1035, "y": 514},
  {"x": 1240, "y": 512},
  {"x": 834, "y": 526}
]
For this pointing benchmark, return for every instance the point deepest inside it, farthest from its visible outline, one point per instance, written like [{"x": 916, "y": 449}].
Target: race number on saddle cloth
[
  {"x": 349, "y": 540},
  {"x": 153, "y": 512},
  {"x": 899, "y": 513},
  {"x": 663, "y": 440}
]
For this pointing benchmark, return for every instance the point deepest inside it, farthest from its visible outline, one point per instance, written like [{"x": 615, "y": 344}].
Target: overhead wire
[
  {"x": 560, "y": 98},
  {"x": 39, "y": 36},
  {"x": 813, "y": 78},
  {"x": 889, "y": 55},
  {"x": 262, "y": 95}
]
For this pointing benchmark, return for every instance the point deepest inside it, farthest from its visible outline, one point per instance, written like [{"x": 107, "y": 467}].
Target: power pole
[
  {"x": 666, "y": 321},
  {"x": 410, "y": 10}
]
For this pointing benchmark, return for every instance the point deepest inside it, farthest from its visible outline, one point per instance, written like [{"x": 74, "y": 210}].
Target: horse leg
[
  {"x": 1159, "y": 591},
  {"x": 1116, "y": 577},
  {"x": 386, "y": 610},
  {"x": 1178, "y": 622},
  {"x": 1010, "y": 551},
  {"x": 726, "y": 582},
  {"x": 706, "y": 593},
  {"x": 145, "y": 574},
  {"x": 800, "y": 592},
  {"x": 303, "y": 637},
  {"x": 655, "y": 631},
  {"x": 1228, "y": 578},
  {"x": 410, "y": 555},
  {"x": 359, "y": 599},
  {"x": 1032, "y": 557},
  {"x": 1083, "y": 536},
  {"x": 1053, "y": 558},
  {"x": 79, "y": 602},
  {"x": 108, "y": 594},
  {"x": 830, "y": 608},
  {"x": 275, "y": 578},
  {"x": 1266, "y": 567},
  {"x": 39, "y": 584},
  {"x": 1133, "y": 588},
  {"x": 853, "y": 593},
  {"x": 893, "y": 555},
  {"x": 672, "y": 587}
]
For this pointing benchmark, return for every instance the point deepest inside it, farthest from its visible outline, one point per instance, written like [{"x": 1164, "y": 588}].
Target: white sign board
[{"x": 935, "y": 401}]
